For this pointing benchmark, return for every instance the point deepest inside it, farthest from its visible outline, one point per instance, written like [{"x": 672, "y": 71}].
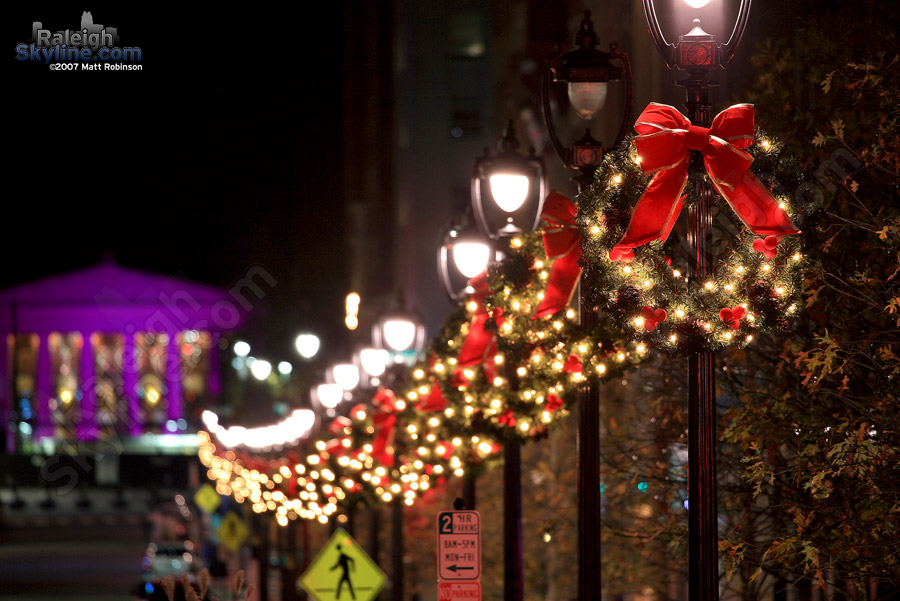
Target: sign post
[{"x": 459, "y": 556}]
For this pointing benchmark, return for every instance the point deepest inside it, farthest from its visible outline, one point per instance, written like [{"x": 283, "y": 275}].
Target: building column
[
  {"x": 43, "y": 389},
  {"x": 173, "y": 379},
  {"x": 87, "y": 374},
  {"x": 129, "y": 383},
  {"x": 214, "y": 379}
]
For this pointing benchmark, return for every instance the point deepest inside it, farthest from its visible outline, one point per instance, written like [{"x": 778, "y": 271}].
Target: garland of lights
[
  {"x": 528, "y": 371},
  {"x": 757, "y": 281},
  {"x": 343, "y": 470}
]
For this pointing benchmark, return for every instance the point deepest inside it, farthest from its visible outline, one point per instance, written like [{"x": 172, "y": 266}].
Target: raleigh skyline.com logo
[{"x": 93, "y": 47}]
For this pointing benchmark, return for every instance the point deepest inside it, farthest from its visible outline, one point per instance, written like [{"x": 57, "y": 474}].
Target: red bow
[
  {"x": 435, "y": 400},
  {"x": 665, "y": 138},
  {"x": 479, "y": 339},
  {"x": 562, "y": 242},
  {"x": 384, "y": 436},
  {"x": 553, "y": 403}
]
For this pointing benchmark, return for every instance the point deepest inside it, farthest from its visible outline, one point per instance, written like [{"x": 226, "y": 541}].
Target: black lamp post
[
  {"x": 402, "y": 333},
  {"x": 587, "y": 72},
  {"x": 464, "y": 253},
  {"x": 697, "y": 53},
  {"x": 508, "y": 191}
]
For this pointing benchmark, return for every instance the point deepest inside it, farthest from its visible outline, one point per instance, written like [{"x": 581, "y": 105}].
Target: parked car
[{"x": 170, "y": 558}]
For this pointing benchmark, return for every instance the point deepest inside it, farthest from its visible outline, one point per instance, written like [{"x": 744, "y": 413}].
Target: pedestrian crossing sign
[{"x": 342, "y": 571}]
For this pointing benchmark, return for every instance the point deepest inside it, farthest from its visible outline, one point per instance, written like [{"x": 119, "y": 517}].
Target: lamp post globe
[
  {"x": 508, "y": 189},
  {"x": 400, "y": 332},
  {"x": 586, "y": 72},
  {"x": 464, "y": 253}
]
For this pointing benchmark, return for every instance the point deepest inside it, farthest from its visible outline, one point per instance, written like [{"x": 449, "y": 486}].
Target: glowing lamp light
[
  {"x": 399, "y": 334},
  {"x": 509, "y": 191},
  {"x": 587, "y": 97},
  {"x": 696, "y": 3},
  {"x": 374, "y": 361},
  {"x": 261, "y": 369},
  {"x": 346, "y": 375},
  {"x": 329, "y": 395},
  {"x": 508, "y": 188},
  {"x": 462, "y": 255},
  {"x": 471, "y": 258},
  {"x": 241, "y": 348},
  {"x": 307, "y": 345}
]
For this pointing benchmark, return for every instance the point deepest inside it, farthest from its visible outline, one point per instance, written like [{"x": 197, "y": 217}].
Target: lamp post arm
[
  {"x": 561, "y": 150},
  {"x": 666, "y": 49},
  {"x": 740, "y": 25},
  {"x": 629, "y": 92}
]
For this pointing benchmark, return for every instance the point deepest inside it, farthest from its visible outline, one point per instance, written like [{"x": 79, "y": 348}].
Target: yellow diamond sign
[
  {"x": 342, "y": 571},
  {"x": 232, "y": 532},
  {"x": 207, "y": 498}
]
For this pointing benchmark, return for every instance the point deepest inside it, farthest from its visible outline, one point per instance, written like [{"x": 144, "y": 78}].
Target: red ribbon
[
  {"x": 384, "y": 436},
  {"x": 665, "y": 138},
  {"x": 562, "y": 243},
  {"x": 435, "y": 401},
  {"x": 479, "y": 339}
]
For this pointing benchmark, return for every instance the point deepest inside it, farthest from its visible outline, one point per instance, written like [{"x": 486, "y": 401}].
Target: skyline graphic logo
[{"x": 92, "y": 47}]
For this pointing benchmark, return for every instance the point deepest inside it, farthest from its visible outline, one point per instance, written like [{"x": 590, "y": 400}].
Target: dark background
[{"x": 220, "y": 155}]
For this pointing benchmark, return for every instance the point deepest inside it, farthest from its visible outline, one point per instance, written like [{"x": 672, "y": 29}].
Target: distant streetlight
[
  {"x": 508, "y": 189},
  {"x": 464, "y": 254},
  {"x": 261, "y": 369},
  {"x": 374, "y": 361},
  {"x": 400, "y": 332},
  {"x": 328, "y": 396},
  {"x": 307, "y": 345},
  {"x": 587, "y": 72},
  {"x": 345, "y": 375},
  {"x": 285, "y": 368},
  {"x": 517, "y": 185},
  {"x": 241, "y": 348}
]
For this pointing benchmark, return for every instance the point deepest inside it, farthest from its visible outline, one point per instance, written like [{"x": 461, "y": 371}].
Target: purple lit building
[{"x": 109, "y": 352}]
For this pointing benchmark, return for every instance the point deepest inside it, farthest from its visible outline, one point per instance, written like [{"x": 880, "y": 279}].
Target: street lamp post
[
  {"x": 587, "y": 71},
  {"x": 508, "y": 191},
  {"x": 697, "y": 53},
  {"x": 464, "y": 253},
  {"x": 402, "y": 334}
]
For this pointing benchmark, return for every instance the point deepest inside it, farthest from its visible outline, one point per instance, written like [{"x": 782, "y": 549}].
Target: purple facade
[{"x": 97, "y": 302}]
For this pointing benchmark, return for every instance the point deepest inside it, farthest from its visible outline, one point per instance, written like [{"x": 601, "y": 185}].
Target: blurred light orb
[
  {"x": 329, "y": 395},
  {"x": 374, "y": 361},
  {"x": 696, "y": 3},
  {"x": 285, "y": 368},
  {"x": 399, "y": 334},
  {"x": 261, "y": 369},
  {"x": 241, "y": 348},
  {"x": 471, "y": 258},
  {"x": 307, "y": 345},
  {"x": 346, "y": 375}
]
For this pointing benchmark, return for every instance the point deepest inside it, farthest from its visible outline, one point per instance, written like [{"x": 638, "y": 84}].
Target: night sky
[{"x": 222, "y": 154}]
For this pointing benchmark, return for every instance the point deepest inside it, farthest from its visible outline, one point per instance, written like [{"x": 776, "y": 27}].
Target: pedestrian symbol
[
  {"x": 232, "y": 532},
  {"x": 342, "y": 571},
  {"x": 344, "y": 562}
]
